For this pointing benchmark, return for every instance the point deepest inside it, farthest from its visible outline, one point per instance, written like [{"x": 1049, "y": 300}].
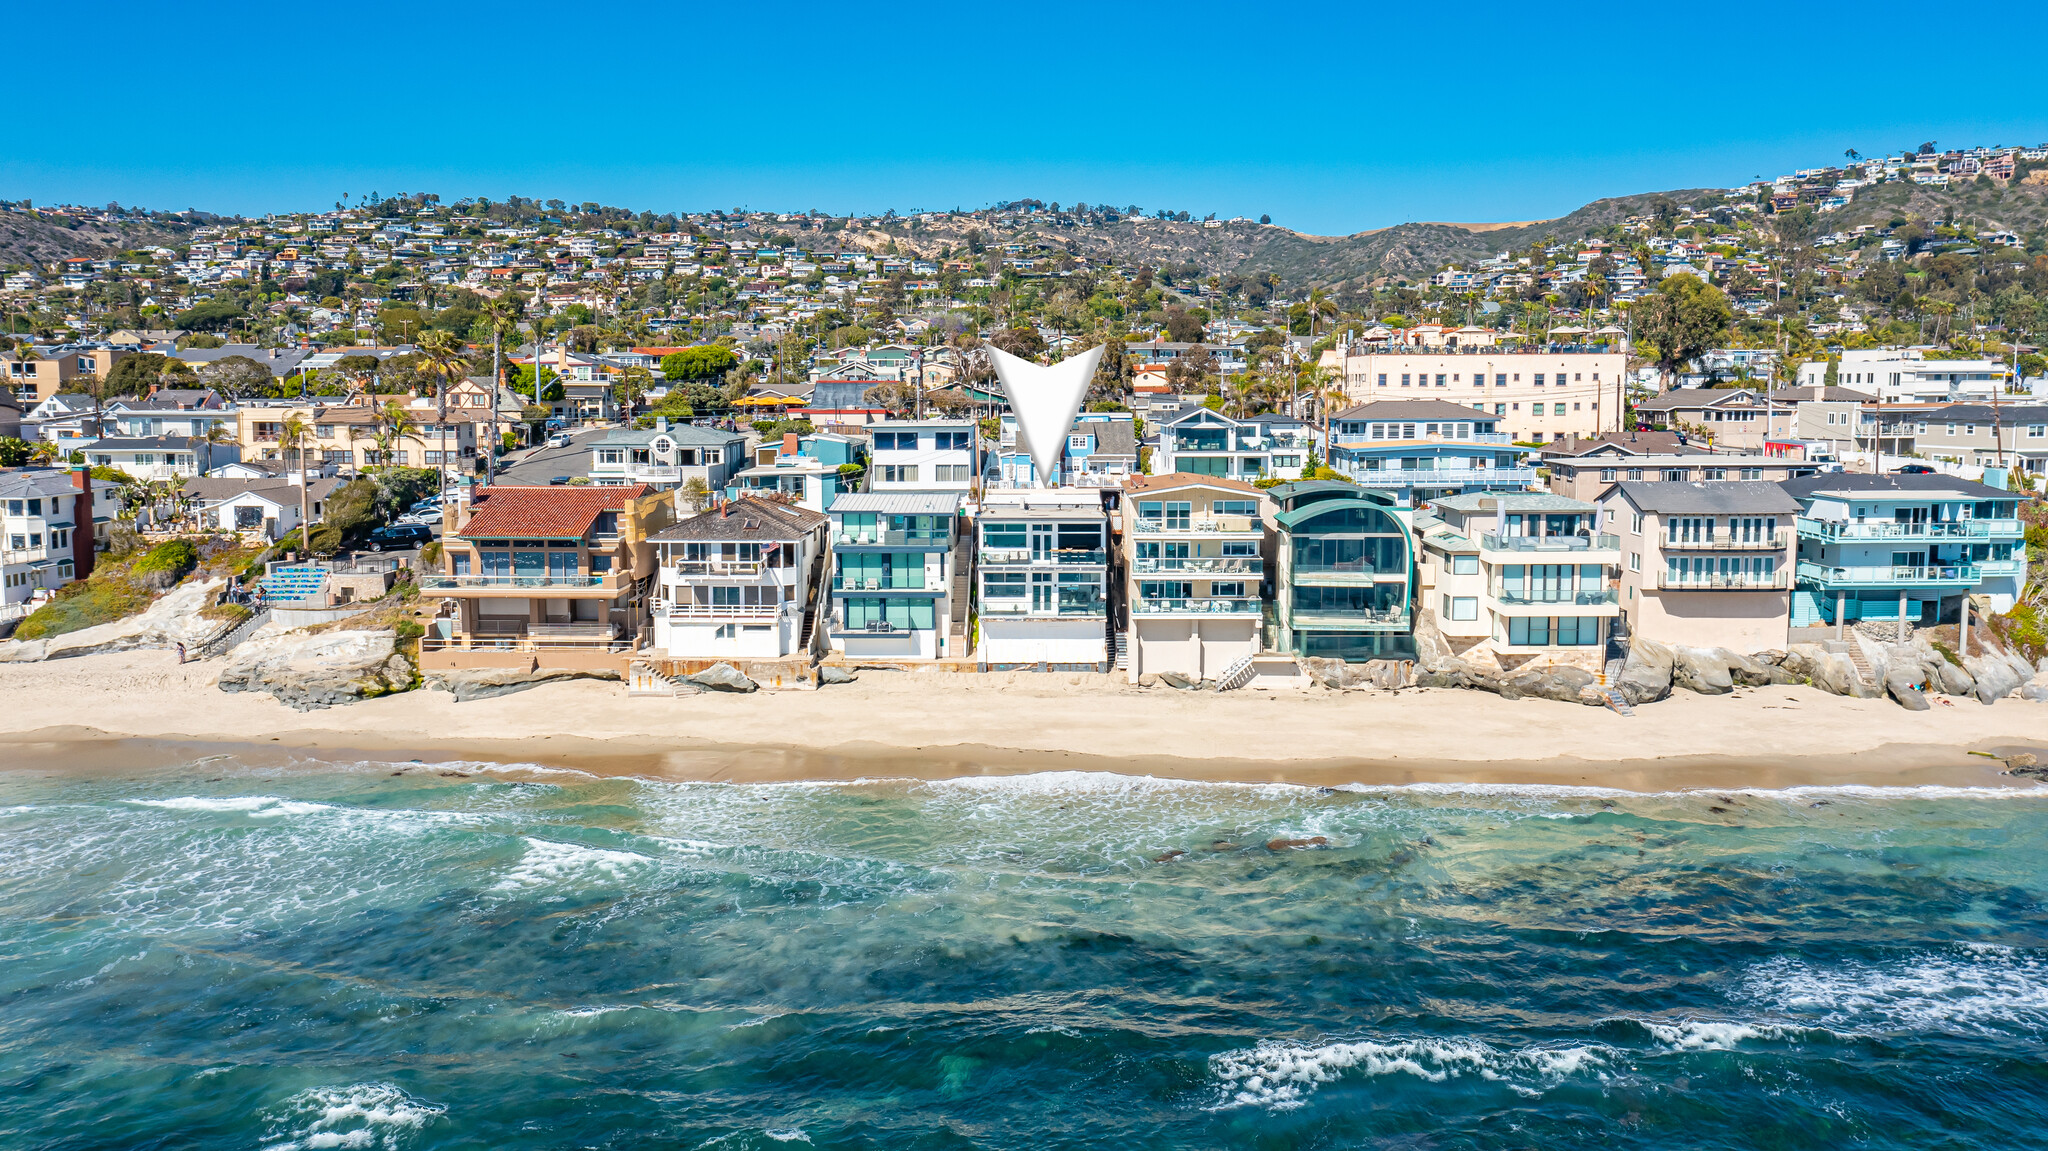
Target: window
[
  {"x": 1383, "y": 379},
  {"x": 461, "y": 564},
  {"x": 2036, "y": 431},
  {"x": 1635, "y": 561},
  {"x": 1236, "y": 507},
  {"x": 1500, "y": 409},
  {"x": 1462, "y": 607},
  {"x": 1439, "y": 379},
  {"x": 1231, "y": 589},
  {"x": 1404, "y": 379},
  {"x": 1557, "y": 409},
  {"x": 1674, "y": 475},
  {"x": 899, "y": 473},
  {"x": 1500, "y": 380},
  {"x": 1607, "y": 475},
  {"x": 951, "y": 441},
  {"x": 1465, "y": 565},
  {"x": 1179, "y": 514},
  {"x": 1635, "y": 524},
  {"x": 1003, "y": 585},
  {"x": 1539, "y": 379}
]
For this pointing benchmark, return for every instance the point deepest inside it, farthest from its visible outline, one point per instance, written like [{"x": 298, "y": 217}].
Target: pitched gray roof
[
  {"x": 1709, "y": 497},
  {"x": 1412, "y": 410},
  {"x": 746, "y": 520},
  {"x": 1472, "y": 503},
  {"x": 1924, "y": 486}
]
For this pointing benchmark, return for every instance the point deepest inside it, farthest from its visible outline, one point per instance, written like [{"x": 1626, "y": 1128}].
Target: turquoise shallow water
[{"x": 225, "y": 956}]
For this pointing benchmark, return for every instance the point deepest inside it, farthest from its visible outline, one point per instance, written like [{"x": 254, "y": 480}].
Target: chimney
[
  {"x": 790, "y": 444},
  {"x": 661, "y": 423},
  {"x": 81, "y": 524}
]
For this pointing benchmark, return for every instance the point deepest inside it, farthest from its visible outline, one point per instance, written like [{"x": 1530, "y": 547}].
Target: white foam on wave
[
  {"x": 262, "y": 805},
  {"x": 360, "y": 1115},
  {"x": 1711, "y": 1034},
  {"x": 1103, "y": 783},
  {"x": 1280, "y": 1076},
  {"x": 1972, "y": 989},
  {"x": 547, "y": 862},
  {"x": 787, "y": 1135}
]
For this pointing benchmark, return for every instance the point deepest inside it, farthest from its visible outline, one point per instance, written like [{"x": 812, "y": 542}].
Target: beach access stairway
[
  {"x": 232, "y": 638},
  {"x": 1236, "y": 675},
  {"x": 293, "y": 583},
  {"x": 962, "y": 589}
]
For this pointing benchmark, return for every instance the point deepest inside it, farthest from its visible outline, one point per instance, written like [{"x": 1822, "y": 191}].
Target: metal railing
[
  {"x": 1092, "y": 606},
  {"x": 1196, "y": 605},
  {"x": 1550, "y": 543},
  {"x": 1057, "y": 556},
  {"x": 437, "y": 582},
  {"x": 1425, "y": 477},
  {"x": 1885, "y": 530},
  {"x": 689, "y": 569},
  {"x": 1731, "y": 541},
  {"x": 1890, "y": 573},
  {"x": 1581, "y": 598},
  {"x": 24, "y": 555},
  {"x": 726, "y": 611},
  {"x": 890, "y": 538},
  {"x": 1219, "y": 565},
  {"x": 1719, "y": 581},
  {"x": 1228, "y": 525}
]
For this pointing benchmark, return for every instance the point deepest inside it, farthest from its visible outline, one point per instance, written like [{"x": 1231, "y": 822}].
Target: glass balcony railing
[
  {"x": 439, "y": 582},
  {"x": 1196, "y": 605},
  {"x": 1432, "y": 477},
  {"x": 1721, "y": 581},
  {"x": 1889, "y": 574},
  {"x": 1220, "y": 565},
  {"x": 871, "y": 538},
  {"x": 1066, "y": 605},
  {"x": 1731, "y": 541},
  {"x": 698, "y": 569},
  {"x": 1573, "y": 543},
  {"x": 1585, "y": 597},
  {"x": 1221, "y": 525},
  {"x": 1887, "y": 530},
  {"x": 1074, "y": 556}
]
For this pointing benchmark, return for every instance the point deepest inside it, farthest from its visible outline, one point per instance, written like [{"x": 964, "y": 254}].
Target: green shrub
[
  {"x": 86, "y": 603},
  {"x": 166, "y": 563}
]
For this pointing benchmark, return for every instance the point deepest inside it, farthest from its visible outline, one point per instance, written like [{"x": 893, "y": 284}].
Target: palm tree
[
  {"x": 217, "y": 433},
  {"x": 394, "y": 424},
  {"x": 294, "y": 433},
  {"x": 443, "y": 353}
]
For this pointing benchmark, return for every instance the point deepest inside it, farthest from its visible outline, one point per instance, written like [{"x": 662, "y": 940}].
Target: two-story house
[
  {"x": 188, "y": 412},
  {"x": 535, "y": 569},
  {"x": 1342, "y": 564},
  {"x": 1199, "y": 441},
  {"x": 1044, "y": 560},
  {"x": 1587, "y": 477},
  {"x": 1419, "y": 450},
  {"x": 668, "y": 456},
  {"x": 1520, "y": 577},
  {"x": 1195, "y": 574},
  {"x": 737, "y": 582},
  {"x": 1100, "y": 451},
  {"x": 922, "y": 455},
  {"x": 1986, "y": 435},
  {"x": 51, "y": 523},
  {"x": 898, "y": 576},
  {"x": 1903, "y": 547},
  {"x": 810, "y": 471},
  {"x": 350, "y": 437},
  {"x": 160, "y": 457},
  {"x": 1708, "y": 563}
]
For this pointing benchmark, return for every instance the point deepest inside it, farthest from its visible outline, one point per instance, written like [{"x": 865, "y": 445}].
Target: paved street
[{"x": 536, "y": 466}]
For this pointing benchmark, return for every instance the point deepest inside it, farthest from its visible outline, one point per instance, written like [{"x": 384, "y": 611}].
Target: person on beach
[{"x": 181, "y": 655}]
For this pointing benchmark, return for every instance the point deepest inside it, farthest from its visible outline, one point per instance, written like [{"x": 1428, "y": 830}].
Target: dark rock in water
[
  {"x": 1222, "y": 845},
  {"x": 2026, "y": 763},
  {"x": 1168, "y": 857},
  {"x": 723, "y": 677},
  {"x": 1290, "y": 844},
  {"x": 830, "y": 674}
]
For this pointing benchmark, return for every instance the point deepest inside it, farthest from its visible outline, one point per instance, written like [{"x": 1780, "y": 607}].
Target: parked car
[
  {"x": 557, "y": 481},
  {"x": 559, "y": 440},
  {"x": 399, "y": 535},
  {"x": 1913, "y": 470},
  {"x": 430, "y": 504}
]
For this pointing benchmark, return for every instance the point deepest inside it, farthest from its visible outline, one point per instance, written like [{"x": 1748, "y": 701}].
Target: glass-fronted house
[
  {"x": 1419, "y": 450},
  {"x": 1044, "y": 574},
  {"x": 893, "y": 563},
  {"x": 1343, "y": 572},
  {"x": 1196, "y": 574}
]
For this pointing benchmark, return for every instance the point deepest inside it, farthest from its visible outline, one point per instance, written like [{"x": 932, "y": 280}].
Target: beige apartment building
[
  {"x": 1705, "y": 564},
  {"x": 1535, "y": 395},
  {"x": 30, "y": 382},
  {"x": 346, "y": 438},
  {"x": 1518, "y": 578},
  {"x": 1589, "y": 476},
  {"x": 1985, "y": 435}
]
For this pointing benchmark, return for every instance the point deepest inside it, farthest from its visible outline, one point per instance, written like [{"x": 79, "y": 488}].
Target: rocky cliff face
[{"x": 173, "y": 619}]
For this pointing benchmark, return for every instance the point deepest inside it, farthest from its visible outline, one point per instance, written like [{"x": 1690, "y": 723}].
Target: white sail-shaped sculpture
[{"x": 1045, "y": 402}]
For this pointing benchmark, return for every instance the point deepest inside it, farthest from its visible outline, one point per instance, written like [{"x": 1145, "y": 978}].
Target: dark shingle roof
[
  {"x": 747, "y": 518},
  {"x": 1709, "y": 497},
  {"x": 1864, "y": 482}
]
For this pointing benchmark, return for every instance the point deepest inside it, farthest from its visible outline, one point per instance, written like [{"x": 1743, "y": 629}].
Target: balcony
[
  {"x": 518, "y": 635},
  {"x": 1550, "y": 543},
  {"x": 1068, "y": 556},
  {"x": 762, "y": 613},
  {"x": 1198, "y": 605},
  {"x": 519, "y": 584},
  {"x": 1068, "y": 606},
  {"x": 1562, "y": 597},
  {"x": 1218, "y": 565},
  {"x": 1391, "y": 619},
  {"x": 717, "y": 569},
  {"x": 1831, "y": 530},
  {"x": 1890, "y": 575},
  {"x": 24, "y": 555},
  {"x": 1734, "y": 581},
  {"x": 1227, "y": 525},
  {"x": 2012, "y": 567},
  {"x": 1731, "y": 542},
  {"x": 1443, "y": 477},
  {"x": 876, "y": 584},
  {"x": 893, "y": 539}
]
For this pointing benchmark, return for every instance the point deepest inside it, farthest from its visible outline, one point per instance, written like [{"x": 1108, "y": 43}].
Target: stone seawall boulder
[
  {"x": 470, "y": 683},
  {"x": 306, "y": 671}
]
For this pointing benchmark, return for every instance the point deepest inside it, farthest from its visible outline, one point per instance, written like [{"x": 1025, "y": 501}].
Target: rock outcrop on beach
[
  {"x": 723, "y": 677},
  {"x": 470, "y": 683},
  {"x": 309, "y": 670},
  {"x": 173, "y": 618}
]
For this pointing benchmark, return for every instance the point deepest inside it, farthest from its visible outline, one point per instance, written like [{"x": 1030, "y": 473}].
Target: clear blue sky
[{"x": 1333, "y": 118}]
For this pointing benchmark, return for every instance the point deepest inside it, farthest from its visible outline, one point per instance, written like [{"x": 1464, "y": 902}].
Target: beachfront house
[
  {"x": 738, "y": 581},
  {"x": 1194, "y": 587},
  {"x": 1903, "y": 547},
  {"x": 1203, "y": 442},
  {"x": 668, "y": 456},
  {"x": 50, "y": 529},
  {"x": 1044, "y": 563},
  {"x": 1342, "y": 567},
  {"x": 1519, "y": 578},
  {"x": 899, "y": 580},
  {"x": 1589, "y": 476},
  {"x": 1418, "y": 450},
  {"x": 546, "y": 569},
  {"x": 1708, "y": 563},
  {"x": 810, "y": 471},
  {"x": 1099, "y": 450}
]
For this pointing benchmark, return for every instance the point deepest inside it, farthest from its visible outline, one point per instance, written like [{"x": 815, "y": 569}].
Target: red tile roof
[{"x": 543, "y": 513}]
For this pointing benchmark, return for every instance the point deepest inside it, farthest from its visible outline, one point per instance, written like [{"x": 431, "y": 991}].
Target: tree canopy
[
  {"x": 704, "y": 362},
  {"x": 210, "y": 315},
  {"x": 1684, "y": 317}
]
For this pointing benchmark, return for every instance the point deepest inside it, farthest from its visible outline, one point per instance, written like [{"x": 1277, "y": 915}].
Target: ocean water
[{"x": 400, "y": 956}]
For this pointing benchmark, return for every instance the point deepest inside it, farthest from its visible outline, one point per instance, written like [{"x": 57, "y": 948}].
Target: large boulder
[
  {"x": 1432, "y": 650},
  {"x": 1745, "y": 670},
  {"x": 470, "y": 683},
  {"x": 1993, "y": 676},
  {"x": 306, "y": 670},
  {"x": 1834, "y": 672},
  {"x": 1646, "y": 674},
  {"x": 1334, "y": 674},
  {"x": 1702, "y": 670},
  {"x": 1954, "y": 680},
  {"x": 723, "y": 677},
  {"x": 171, "y": 619},
  {"x": 1561, "y": 683},
  {"x": 830, "y": 673},
  {"x": 1903, "y": 683}
]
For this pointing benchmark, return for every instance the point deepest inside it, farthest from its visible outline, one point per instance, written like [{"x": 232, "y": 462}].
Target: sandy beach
[{"x": 134, "y": 708}]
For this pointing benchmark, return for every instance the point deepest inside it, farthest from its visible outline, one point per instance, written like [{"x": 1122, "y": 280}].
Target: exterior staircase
[
  {"x": 1854, "y": 650},
  {"x": 957, "y": 599},
  {"x": 1123, "y": 650},
  {"x": 228, "y": 640},
  {"x": 289, "y": 583},
  {"x": 1236, "y": 675},
  {"x": 643, "y": 680}
]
